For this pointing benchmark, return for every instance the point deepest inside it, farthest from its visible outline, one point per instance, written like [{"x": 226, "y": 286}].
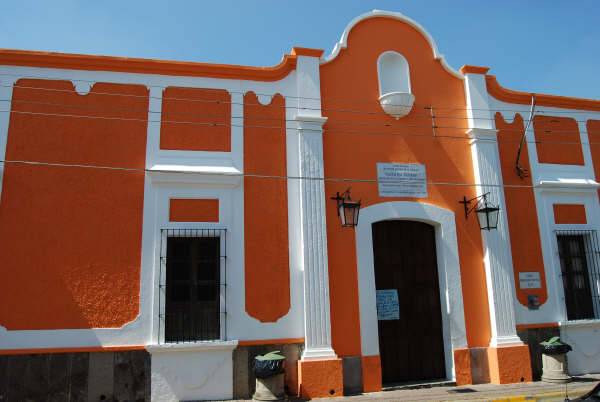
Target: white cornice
[
  {"x": 343, "y": 43},
  {"x": 569, "y": 184},
  {"x": 482, "y": 134},
  {"x": 188, "y": 347},
  {"x": 310, "y": 123}
]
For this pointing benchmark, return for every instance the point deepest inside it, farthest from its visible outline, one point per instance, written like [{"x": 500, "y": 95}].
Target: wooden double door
[{"x": 411, "y": 346}]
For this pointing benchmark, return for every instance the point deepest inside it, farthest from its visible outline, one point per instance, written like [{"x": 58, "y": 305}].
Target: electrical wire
[
  {"x": 322, "y": 100},
  {"x": 522, "y": 172},
  {"x": 265, "y": 176},
  {"x": 327, "y": 131},
  {"x": 428, "y": 116}
]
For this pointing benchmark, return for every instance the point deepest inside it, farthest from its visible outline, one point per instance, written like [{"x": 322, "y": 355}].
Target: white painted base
[
  {"x": 510, "y": 340},
  {"x": 318, "y": 353},
  {"x": 584, "y": 338},
  {"x": 182, "y": 372}
]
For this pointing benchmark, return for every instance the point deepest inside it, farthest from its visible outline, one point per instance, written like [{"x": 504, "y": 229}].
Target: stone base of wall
[
  {"x": 82, "y": 376},
  {"x": 244, "y": 381},
  {"x": 532, "y": 337}
]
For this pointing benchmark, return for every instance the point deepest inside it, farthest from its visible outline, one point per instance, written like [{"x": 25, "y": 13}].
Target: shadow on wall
[
  {"x": 532, "y": 337},
  {"x": 244, "y": 381}
]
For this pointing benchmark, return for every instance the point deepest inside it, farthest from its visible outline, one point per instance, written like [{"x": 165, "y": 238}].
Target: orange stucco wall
[
  {"x": 265, "y": 210},
  {"x": 569, "y": 213},
  {"x": 196, "y": 119},
  {"x": 509, "y": 364},
  {"x": 70, "y": 237},
  {"x": 521, "y": 210},
  {"x": 320, "y": 378},
  {"x": 355, "y": 141},
  {"x": 557, "y": 140},
  {"x": 193, "y": 210},
  {"x": 371, "y": 373},
  {"x": 462, "y": 366}
]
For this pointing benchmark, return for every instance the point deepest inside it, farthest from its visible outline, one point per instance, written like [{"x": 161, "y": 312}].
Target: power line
[
  {"x": 323, "y": 100},
  {"x": 264, "y": 176},
  {"x": 428, "y": 116},
  {"x": 327, "y": 131}
]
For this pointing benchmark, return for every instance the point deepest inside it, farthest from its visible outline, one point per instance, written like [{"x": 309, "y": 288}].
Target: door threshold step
[{"x": 418, "y": 385}]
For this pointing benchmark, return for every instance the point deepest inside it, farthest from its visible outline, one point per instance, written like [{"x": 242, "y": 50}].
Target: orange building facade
[{"x": 182, "y": 213}]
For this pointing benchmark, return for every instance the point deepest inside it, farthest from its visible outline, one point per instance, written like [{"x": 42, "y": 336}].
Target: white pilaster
[
  {"x": 317, "y": 323},
  {"x": 6, "y": 90},
  {"x": 496, "y": 243},
  {"x": 153, "y": 127}
]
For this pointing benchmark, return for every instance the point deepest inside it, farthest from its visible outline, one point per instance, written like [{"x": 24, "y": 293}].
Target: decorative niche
[{"x": 395, "y": 96}]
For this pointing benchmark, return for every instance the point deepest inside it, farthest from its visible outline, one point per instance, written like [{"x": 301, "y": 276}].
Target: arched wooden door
[{"x": 411, "y": 343}]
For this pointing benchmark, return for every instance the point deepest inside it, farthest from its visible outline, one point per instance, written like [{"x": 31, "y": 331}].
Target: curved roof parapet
[
  {"x": 524, "y": 98},
  {"x": 343, "y": 43},
  {"x": 148, "y": 66}
]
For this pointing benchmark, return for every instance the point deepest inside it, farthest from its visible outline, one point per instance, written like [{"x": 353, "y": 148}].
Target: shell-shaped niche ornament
[{"x": 395, "y": 96}]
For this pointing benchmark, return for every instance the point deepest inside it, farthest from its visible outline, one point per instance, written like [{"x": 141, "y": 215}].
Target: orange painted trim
[
  {"x": 146, "y": 66},
  {"x": 305, "y": 51},
  {"x": 193, "y": 210},
  {"x": 569, "y": 214},
  {"x": 541, "y": 325},
  {"x": 524, "y": 98},
  {"x": 71, "y": 350},
  {"x": 283, "y": 341},
  {"x": 473, "y": 70},
  {"x": 371, "y": 373}
]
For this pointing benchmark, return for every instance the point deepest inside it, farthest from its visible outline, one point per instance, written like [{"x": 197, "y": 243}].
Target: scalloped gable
[{"x": 343, "y": 42}]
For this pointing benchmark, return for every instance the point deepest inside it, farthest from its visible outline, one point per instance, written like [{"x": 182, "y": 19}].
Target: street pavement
[{"x": 533, "y": 391}]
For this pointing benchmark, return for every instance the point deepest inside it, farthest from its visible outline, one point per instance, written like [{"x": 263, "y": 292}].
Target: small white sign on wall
[
  {"x": 387, "y": 304},
  {"x": 530, "y": 280},
  {"x": 402, "y": 180}
]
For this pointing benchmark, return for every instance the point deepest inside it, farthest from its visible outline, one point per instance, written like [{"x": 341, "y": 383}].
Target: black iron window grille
[
  {"x": 579, "y": 255},
  {"x": 192, "y": 286}
]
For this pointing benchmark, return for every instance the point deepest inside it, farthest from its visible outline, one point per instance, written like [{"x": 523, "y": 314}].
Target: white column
[
  {"x": 153, "y": 128},
  {"x": 6, "y": 90},
  {"x": 496, "y": 243},
  {"x": 317, "y": 323}
]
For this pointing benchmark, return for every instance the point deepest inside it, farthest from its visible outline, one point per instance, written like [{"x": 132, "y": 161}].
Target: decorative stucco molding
[{"x": 343, "y": 43}]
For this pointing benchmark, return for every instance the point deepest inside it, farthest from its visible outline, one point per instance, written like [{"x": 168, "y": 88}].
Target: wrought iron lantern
[
  {"x": 347, "y": 209},
  {"x": 487, "y": 214}
]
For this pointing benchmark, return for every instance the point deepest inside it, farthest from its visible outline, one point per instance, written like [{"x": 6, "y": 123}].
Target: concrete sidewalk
[{"x": 533, "y": 391}]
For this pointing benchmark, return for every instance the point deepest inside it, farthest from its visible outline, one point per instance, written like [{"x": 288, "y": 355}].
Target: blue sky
[{"x": 535, "y": 46}]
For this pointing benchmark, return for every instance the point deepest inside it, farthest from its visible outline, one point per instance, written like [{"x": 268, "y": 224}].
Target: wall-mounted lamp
[
  {"x": 487, "y": 214},
  {"x": 347, "y": 209}
]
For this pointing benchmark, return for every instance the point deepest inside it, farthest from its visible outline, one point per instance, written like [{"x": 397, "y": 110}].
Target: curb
[{"x": 546, "y": 396}]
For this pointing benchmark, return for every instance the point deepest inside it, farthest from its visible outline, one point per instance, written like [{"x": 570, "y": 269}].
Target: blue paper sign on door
[{"x": 387, "y": 304}]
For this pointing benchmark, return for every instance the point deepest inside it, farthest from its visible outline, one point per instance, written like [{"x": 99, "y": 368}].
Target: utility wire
[
  {"x": 327, "y": 131},
  {"x": 322, "y": 100},
  {"x": 427, "y": 116},
  {"x": 520, "y": 170},
  {"x": 264, "y": 176}
]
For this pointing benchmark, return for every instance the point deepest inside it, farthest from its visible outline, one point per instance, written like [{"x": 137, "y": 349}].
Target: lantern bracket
[
  {"x": 344, "y": 201},
  {"x": 487, "y": 209},
  {"x": 466, "y": 203}
]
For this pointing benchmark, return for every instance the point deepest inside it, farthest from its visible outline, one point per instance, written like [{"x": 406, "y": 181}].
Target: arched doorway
[{"x": 410, "y": 327}]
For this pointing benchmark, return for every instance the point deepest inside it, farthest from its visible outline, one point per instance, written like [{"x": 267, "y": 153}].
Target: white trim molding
[
  {"x": 451, "y": 296},
  {"x": 343, "y": 42},
  {"x": 6, "y": 91},
  {"x": 317, "y": 321},
  {"x": 496, "y": 243}
]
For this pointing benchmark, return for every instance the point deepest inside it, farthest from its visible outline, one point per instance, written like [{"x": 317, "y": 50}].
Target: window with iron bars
[
  {"x": 192, "y": 285},
  {"x": 579, "y": 256}
]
